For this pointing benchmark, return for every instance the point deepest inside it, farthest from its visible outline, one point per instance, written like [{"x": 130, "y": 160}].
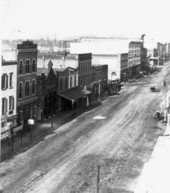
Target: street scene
[
  {"x": 118, "y": 135},
  {"x": 85, "y": 96}
]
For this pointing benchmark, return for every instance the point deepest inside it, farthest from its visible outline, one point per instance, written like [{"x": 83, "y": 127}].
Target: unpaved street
[{"x": 121, "y": 142}]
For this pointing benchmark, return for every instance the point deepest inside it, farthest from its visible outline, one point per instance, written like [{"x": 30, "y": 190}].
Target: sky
[{"x": 62, "y": 19}]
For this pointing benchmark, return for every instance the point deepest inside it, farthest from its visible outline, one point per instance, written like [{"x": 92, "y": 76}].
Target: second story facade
[{"x": 67, "y": 78}]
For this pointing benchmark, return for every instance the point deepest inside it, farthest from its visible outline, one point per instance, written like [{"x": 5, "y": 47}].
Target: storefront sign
[{"x": 17, "y": 128}]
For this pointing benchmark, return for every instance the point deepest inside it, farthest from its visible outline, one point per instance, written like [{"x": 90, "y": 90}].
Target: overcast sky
[{"x": 66, "y": 18}]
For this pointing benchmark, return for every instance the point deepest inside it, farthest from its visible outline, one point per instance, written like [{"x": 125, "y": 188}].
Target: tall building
[
  {"x": 8, "y": 96},
  {"x": 26, "y": 81},
  {"x": 134, "y": 57}
]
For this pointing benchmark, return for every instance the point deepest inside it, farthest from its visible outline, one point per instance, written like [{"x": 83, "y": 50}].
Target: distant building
[
  {"x": 104, "y": 51},
  {"x": 26, "y": 81},
  {"x": 113, "y": 62},
  {"x": 8, "y": 96},
  {"x": 134, "y": 57}
]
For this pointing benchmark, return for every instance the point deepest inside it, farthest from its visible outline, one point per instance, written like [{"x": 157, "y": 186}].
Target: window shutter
[
  {"x": 6, "y": 81},
  {"x": 1, "y": 82},
  {"x": 12, "y": 103},
  {"x": 6, "y": 103},
  {"x": 3, "y": 105}
]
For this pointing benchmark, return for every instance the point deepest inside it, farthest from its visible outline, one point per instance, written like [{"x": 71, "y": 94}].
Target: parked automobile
[{"x": 155, "y": 89}]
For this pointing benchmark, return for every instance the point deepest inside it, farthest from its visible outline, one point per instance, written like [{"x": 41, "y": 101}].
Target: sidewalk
[
  {"x": 39, "y": 131},
  {"x": 156, "y": 173}
]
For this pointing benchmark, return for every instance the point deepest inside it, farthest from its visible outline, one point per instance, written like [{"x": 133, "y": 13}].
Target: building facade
[
  {"x": 26, "y": 81},
  {"x": 67, "y": 81},
  {"x": 99, "y": 85},
  {"x": 8, "y": 96},
  {"x": 134, "y": 57}
]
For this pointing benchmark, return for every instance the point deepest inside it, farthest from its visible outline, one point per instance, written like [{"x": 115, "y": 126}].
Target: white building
[
  {"x": 104, "y": 51},
  {"x": 8, "y": 96}
]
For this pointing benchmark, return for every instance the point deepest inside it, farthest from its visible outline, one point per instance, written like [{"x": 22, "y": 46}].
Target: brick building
[
  {"x": 26, "y": 81},
  {"x": 86, "y": 74},
  {"x": 134, "y": 57}
]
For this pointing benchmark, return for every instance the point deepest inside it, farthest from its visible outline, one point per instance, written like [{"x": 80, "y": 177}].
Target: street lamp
[
  {"x": 30, "y": 123},
  {"x": 9, "y": 125}
]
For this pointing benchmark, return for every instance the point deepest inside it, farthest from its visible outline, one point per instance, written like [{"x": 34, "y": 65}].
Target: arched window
[
  {"x": 33, "y": 65},
  {"x": 33, "y": 87},
  {"x": 20, "y": 90},
  {"x": 27, "y": 88},
  {"x": 27, "y": 67},
  {"x": 20, "y": 67}
]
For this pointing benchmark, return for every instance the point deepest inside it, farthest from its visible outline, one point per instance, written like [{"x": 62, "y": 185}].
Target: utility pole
[{"x": 98, "y": 177}]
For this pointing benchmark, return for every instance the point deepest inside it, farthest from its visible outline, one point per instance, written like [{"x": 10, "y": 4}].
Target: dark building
[
  {"x": 144, "y": 63},
  {"x": 26, "y": 81},
  {"x": 46, "y": 92},
  {"x": 124, "y": 75},
  {"x": 86, "y": 75}
]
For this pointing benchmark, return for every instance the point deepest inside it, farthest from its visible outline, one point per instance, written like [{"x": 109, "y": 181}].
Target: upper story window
[
  {"x": 20, "y": 67},
  {"x": 33, "y": 87},
  {"x": 11, "y": 80},
  {"x": 27, "y": 67},
  {"x": 71, "y": 82},
  {"x": 4, "y": 105},
  {"x": 61, "y": 84},
  {"x": 75, "y": 80},
  {"x": 33, "y": 65},
  {"x": 20, "y": 90},
  {"x": 66, "y": 82},
  {"x": 27, "y": 87},
  {"x": 4, "y": 81}
]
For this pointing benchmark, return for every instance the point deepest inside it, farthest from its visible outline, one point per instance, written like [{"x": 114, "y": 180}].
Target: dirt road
[{"x": 121, "y": 142}]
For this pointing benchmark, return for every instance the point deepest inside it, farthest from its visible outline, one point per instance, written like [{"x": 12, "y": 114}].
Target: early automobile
[{"x": 155, "y": 89}]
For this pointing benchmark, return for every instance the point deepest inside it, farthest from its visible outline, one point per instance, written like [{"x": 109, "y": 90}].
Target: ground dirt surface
[{"x": 121, "y": 143}]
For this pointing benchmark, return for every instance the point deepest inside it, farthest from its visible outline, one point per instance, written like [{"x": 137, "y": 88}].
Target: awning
[{"x": 74, "y": 93}]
